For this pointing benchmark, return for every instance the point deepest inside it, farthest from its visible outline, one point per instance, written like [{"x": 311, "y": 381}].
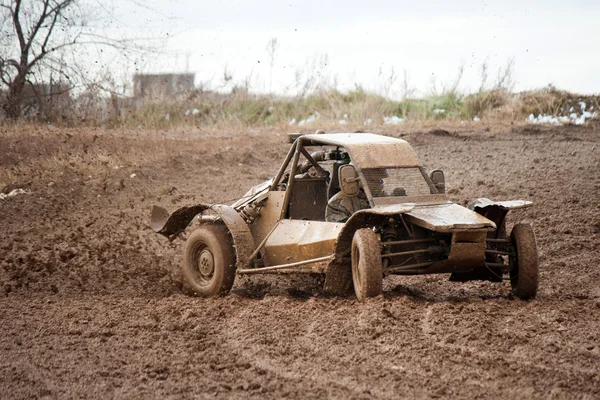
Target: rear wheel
[
  {"x": 366, "y": 264},
  {"x": 209, "y": 261},
  {"x": 524, "y": 272}
]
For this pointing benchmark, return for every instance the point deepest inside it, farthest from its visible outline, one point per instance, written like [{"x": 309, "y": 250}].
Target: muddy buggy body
[{"x": 408, "y": 227}]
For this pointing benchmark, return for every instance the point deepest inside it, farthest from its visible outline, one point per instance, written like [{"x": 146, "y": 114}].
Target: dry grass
[
  {"x": 328, "y": 108},
  {"x": 552, "y": 101},
  {"x": 332, "y": 108}
]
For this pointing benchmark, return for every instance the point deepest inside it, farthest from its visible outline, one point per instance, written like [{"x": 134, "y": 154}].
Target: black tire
[
  {"x": 525, "y": 271},
  {"x": 209, "y": 261},
  {"x": 367, "y": 273}
]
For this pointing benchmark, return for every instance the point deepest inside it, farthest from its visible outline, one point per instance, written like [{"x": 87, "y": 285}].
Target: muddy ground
[{"x": 92, "y": 304}]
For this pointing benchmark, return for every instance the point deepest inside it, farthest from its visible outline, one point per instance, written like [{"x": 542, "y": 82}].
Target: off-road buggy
[{"x": 409, "y": 226}]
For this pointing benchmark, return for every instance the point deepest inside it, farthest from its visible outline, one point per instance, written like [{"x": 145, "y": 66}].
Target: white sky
[{"x": 551, "y": 41}]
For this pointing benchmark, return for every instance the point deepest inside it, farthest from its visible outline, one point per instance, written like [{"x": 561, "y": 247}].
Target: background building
[{"x": 161, "y": 85}]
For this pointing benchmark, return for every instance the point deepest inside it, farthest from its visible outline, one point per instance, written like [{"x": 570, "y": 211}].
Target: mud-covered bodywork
[
  {"x": 172, "y": 225},
  {"x": 280, "y": 225},
  {"x": 497, "y": 211},
  {"x": 448, "y": 217}
]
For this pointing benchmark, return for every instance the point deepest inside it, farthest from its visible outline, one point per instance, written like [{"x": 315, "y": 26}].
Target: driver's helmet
[{"x": 375, "y": 179}]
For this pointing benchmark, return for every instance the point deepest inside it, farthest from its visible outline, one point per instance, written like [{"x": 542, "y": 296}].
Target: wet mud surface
[{"x": 92, "y": 303}]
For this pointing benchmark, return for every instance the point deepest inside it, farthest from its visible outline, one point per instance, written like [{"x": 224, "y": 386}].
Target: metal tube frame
[
  {"x": 312, "y": 160},
  {"x": 412, "y": 268},
  {"x": 260, "y": 246},
  {"x": 284, "y": 266},
  {"x": 409, "y": 241},
  {"x": 493, "y": 240},
  {"x": 405, "y": 253},
  {"x": 497, "y": 265},
  {"x": 284, "y": 166},
  {"x": 290, "y": 183},
  {"x": 500, "y": 252}
]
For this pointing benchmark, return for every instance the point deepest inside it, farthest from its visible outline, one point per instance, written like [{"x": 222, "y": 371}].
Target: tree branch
[
  {"x": 37, "y": 26},
  {"x": 50, "y": 30},
  {"x": 17, "y": 24},
  {"x": 60, "y": 46}
]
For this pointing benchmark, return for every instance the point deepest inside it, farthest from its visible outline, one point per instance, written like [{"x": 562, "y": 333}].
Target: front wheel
[
  {"x": 209, "y": 261},
  {"x": 524, "y": 272},
  {"x": 367, "y": 272}
]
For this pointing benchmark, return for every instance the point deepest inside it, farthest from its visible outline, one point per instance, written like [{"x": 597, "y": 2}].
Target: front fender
[
  {"x": 497, "y": 211},
  {"x": 505, "y": 205},
  {"x": 338, "y": 276}
]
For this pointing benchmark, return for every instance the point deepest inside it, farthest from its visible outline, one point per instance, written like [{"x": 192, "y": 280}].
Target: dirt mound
[
  {"x": 441, "y": 132},
  {"x": 93, "y": 303}
]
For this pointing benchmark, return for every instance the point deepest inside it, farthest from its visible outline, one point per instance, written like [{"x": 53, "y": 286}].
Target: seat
[
  {"x": 334, "y": 183},
  {"x": 308, "y": 199}
]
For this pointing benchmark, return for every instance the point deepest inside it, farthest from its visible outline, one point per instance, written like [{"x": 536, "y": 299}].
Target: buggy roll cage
[{"x": 293, "y": 156}]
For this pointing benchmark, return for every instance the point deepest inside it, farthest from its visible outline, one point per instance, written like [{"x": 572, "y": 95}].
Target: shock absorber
[
  {"x": 390, "y": 233},
  {"x": 250, "y": 212}
]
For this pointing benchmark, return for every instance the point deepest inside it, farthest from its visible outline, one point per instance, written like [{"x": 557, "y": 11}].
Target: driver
[
  {"x": 376, "y": 180},
  {"x": 341, "y": 206}
]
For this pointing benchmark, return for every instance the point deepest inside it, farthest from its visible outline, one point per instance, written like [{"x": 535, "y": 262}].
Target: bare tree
[
  {"x": 407, "y": 92},
  {"x": 272, "y": 48},
  {"x": 483, "y": 73},
  {"x": 38, "y": 36},
  {"x": 407, "y": 89},
  {"x": 388, "y": 80},
  {"x": 505, "y": 79},
  {"x": 227, "y": 77}
]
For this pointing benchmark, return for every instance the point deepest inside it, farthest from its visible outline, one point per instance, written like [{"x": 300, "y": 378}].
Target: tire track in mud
[
  {"x": 509, "y": 358},
  {"x": 324, "y": 379},
  {"x": 347, "y": 382}
]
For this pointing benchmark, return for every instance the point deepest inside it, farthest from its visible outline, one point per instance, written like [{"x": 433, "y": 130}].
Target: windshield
[{"x": 394, "y": 182}]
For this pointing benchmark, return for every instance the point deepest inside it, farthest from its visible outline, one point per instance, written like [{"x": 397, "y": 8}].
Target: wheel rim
[
  {"x": 207, "y": 263},
  {"x": 204, "y": 263}
]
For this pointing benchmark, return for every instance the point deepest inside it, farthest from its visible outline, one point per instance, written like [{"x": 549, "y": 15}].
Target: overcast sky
[{"x": 359, "y": 42}]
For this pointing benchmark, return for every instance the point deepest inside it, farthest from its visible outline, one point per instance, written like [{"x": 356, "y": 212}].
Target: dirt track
[{"x": 92, "y": 303}]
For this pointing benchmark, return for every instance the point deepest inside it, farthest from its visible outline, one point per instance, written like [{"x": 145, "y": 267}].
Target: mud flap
[{"x": 173, "y": 224}]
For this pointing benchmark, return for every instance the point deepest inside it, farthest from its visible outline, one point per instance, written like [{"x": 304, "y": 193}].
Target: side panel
[
  {"x": 269, "y": 215},
  {"x": 298, "y": 240}
]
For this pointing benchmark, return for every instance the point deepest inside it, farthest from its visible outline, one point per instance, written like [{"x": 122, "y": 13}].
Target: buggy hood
[{"x": 448, "y": 217}]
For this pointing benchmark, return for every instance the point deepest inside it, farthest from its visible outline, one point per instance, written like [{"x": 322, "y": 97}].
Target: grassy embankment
[{"x": 322, "y": 108}]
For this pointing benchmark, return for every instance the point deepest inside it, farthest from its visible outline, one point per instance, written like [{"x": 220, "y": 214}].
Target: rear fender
[
  {"x": 240, "y": 233},
  {"x": 177, "y": 222}
]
